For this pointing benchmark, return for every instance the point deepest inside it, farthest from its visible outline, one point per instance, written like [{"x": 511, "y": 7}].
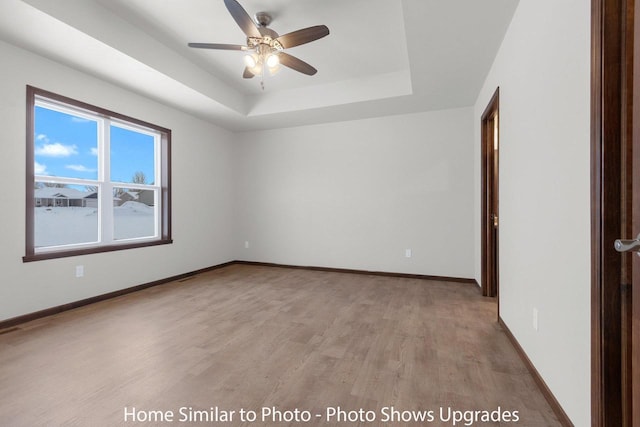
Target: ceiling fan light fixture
[
  {"x": 274, "y": 70},
  {"x": 273, "y": 60},
  {"x": 250, "y": 61}
]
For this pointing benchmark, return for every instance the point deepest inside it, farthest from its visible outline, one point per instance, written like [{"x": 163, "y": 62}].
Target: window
[{"x": 96, "y": 180}]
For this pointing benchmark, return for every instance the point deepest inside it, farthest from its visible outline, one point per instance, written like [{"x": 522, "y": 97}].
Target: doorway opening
[{"x": 490, "y": 140}]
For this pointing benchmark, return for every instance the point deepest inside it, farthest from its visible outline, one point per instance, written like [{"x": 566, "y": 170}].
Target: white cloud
[
  {"x": 79, "y": 168},
  {"x": 56, "y": 150},
  {"x": 39, "y": 169},
  {"x": 75, "y": 119},
  {"x": 42, "y": 137},
  {"x": 94, "y": 151}
]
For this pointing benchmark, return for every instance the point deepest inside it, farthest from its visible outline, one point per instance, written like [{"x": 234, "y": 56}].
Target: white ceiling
[{"x": 382, "y": 57}]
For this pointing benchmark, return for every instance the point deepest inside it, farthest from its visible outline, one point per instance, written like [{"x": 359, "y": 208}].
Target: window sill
[{"x": 89, "y": 251}]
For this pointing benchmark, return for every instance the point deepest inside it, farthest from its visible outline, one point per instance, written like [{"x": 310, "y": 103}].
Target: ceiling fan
[{"x": 265, "y": 48}]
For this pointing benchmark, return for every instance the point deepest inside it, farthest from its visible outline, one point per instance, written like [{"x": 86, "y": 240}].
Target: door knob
[{"x": 627, "y": 245}]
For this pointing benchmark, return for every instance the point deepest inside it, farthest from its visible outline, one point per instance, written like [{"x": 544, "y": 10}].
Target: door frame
[
  {"x": 489, "y": 240},
  {"x": 611, "y": 84}
]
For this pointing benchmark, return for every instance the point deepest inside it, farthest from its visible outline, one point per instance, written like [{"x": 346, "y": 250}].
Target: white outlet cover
[
  {"x": 407, "y": 253},
  {"x": 79, "y": 270}
]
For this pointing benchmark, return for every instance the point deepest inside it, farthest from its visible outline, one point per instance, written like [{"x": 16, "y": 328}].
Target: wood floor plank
[{"x": 248, "y": 337}]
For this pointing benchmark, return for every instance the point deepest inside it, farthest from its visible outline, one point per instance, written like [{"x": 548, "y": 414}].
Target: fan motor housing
[{"x": 263, "y": 19}]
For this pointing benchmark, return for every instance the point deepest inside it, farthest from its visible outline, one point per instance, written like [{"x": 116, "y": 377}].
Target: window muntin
[{"x": 96, "y": 180}]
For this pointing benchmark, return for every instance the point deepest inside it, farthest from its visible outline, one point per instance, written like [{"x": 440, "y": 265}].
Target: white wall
[
  {"x": 202, "y": 194},
  {"x": 543, "y": 70},
  {"x": 357, "y": 194}
]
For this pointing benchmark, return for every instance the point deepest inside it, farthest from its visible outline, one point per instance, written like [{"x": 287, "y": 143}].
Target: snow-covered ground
[{"x": 64, "y": 226}]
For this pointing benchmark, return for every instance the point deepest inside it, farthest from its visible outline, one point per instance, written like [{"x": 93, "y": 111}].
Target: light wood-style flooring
[{"x": 251, "y": 337}]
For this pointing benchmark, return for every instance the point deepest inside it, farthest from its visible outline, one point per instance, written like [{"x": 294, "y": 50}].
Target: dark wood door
[
  {"x": 493, "y": 202},
  {"x": 631, "y": 311},
  {"x": 490, "y": 200},
  {"x": 615, "y": 177}
]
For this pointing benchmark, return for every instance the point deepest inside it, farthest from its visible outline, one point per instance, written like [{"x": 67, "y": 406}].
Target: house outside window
[{"x": 96, "y": 180}]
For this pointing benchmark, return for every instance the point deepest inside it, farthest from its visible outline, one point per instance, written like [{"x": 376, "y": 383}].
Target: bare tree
[{"x": 139, "y": 178}]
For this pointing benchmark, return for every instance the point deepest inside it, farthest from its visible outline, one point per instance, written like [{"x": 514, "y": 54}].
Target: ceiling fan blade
[
  {"x": 296, "y": 64},
  {"x": 219, "y": 46},
  {"x": 306, "y": 35},
  {"x": 247, "y": 73},
  {"x": 242, "y": 18}
]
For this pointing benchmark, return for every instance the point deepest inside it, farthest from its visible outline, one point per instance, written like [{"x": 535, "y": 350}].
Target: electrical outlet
[
  {"x": 407, "y": 253},
  {"x": 79, "y": 270},
  {"x": 246, "y": 244},
  {"x": 535, "y": 319}
]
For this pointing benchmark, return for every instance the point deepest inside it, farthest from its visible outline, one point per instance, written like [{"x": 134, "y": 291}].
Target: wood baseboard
[
  {"x": 352, "y": 271},
  {"x": 10, "y": 323},
  {"x": 546, "y": 392}
]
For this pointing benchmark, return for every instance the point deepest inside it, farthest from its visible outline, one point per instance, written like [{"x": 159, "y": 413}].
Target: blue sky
[{"x": 67, "y": 146}]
